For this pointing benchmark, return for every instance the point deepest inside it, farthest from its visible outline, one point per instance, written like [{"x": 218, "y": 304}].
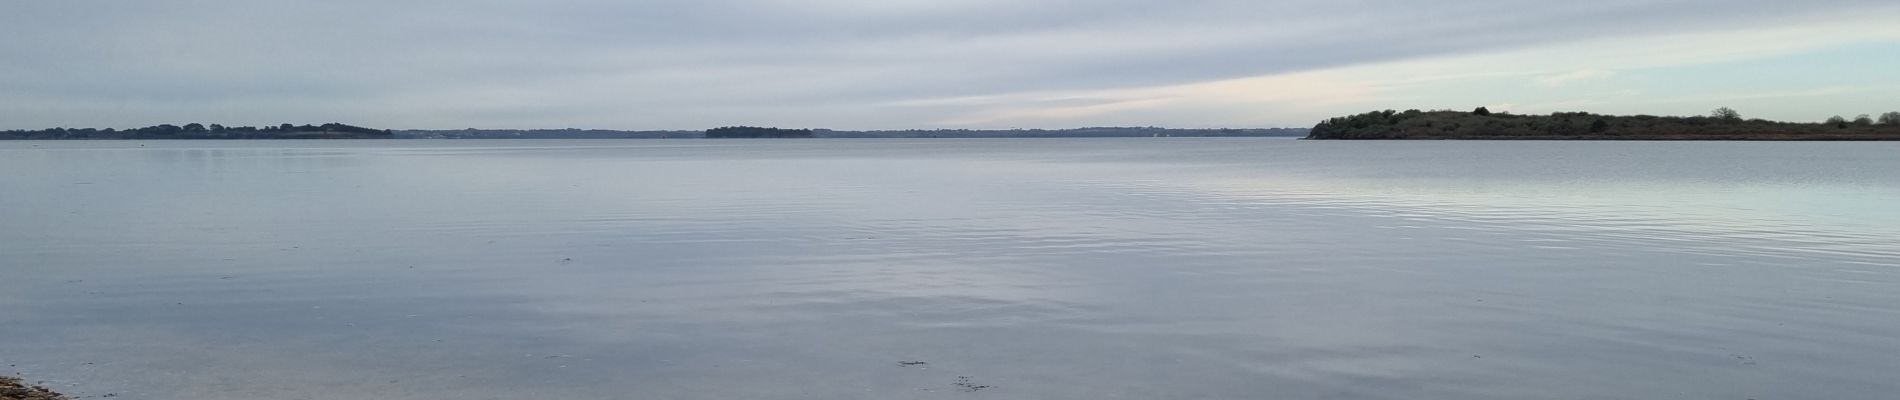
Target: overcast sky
[{"x": 876, "y": 64}]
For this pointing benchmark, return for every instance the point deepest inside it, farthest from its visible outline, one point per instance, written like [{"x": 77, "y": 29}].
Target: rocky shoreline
[{"x": 12, "y": 388}]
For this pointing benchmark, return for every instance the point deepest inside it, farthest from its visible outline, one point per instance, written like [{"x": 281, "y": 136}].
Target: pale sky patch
[
  {"x": 1582, "y": 75},
  {"x": 1550, "y": 78}
]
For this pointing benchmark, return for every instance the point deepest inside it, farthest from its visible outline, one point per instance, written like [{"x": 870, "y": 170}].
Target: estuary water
[{"x": 1165, "y": 268}]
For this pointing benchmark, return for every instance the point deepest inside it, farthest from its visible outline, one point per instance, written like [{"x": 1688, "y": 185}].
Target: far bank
[{"x": 1482, "y": 124}]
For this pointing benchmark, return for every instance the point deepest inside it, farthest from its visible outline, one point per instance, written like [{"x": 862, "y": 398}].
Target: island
[
  {"x": 753, "y": 132},
  {"x": 202, "y": 131},
  {"x": 1483, "y": 124}
]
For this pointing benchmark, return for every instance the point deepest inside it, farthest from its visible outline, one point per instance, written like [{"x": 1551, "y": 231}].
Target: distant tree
[
  {"x": 1599, "y": 126},
  {"x": 1837, "y": 122},
  {"x": 1891, "y": 118},
  {"x": 1482, "y": 111},
  {"x": 217, "y": 128},
  {"x": 1726, "y": 114},
  {"x": 194, "y": 127},
  {"x": 1864, "y": 120}
]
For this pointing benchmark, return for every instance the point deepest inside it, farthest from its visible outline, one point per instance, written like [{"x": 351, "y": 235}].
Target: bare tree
[
  {"x": 1864, "y": 120},
  {"x": 1726, "y": 114},
  {"x": 1837, "y": 122}
]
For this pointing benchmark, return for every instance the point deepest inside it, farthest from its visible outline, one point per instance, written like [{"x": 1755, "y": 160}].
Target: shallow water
[{"x": 1027, "y": 268}]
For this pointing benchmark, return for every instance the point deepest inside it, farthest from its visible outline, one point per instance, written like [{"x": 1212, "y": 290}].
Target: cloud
[
  {"x": 1567, "y": 78},
  {"x": 832, "y": 63}
]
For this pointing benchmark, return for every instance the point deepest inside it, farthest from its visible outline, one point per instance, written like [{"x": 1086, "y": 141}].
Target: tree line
[
  {"x": 753, "y": 132},
  {"x": 202, "y": 131},
  {"x": 1891, "y": 118},
  {"x": 1722, "y": 124}
]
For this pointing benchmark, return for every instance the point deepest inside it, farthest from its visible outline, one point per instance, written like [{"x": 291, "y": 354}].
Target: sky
[{"x": 900, "y": 64}]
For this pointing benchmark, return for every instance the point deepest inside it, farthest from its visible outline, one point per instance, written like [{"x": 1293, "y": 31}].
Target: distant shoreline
[
  {"x": 197, "y": 131},
  {"x": 1883, "y": 138},
  {"x": 340, "y": 131},
  {"x": 1481, "y": 124},
  {"x": 1098, "y": 132}
]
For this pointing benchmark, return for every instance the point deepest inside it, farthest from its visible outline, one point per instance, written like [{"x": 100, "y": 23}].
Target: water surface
[{"x": 1028, "y": 268}]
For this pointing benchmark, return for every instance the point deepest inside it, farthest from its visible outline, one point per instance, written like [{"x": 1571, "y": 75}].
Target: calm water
[{"x": 1019, "y": 269}]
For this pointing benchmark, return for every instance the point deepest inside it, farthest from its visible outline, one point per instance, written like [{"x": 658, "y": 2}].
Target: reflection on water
[{"x": 1132, "y": 268}]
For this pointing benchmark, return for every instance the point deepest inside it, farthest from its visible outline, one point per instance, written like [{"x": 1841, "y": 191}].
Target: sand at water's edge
[{"x": 15, "y": 389}]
